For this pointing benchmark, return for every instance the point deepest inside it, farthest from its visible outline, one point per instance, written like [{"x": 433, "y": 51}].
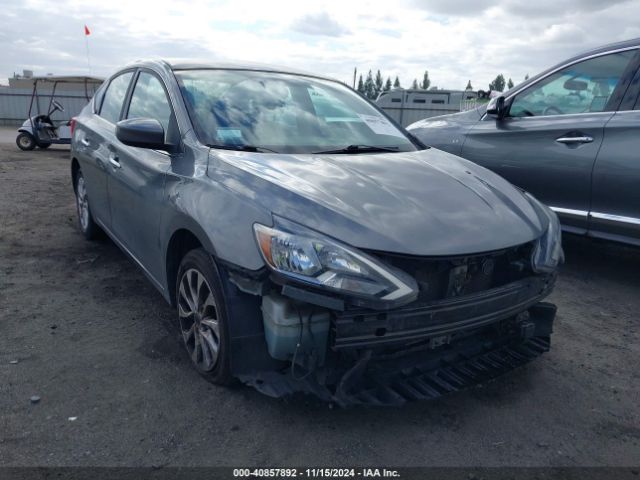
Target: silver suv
[
  {"x": 568, "y": 135},
  {"x": 307, "y": 242}
]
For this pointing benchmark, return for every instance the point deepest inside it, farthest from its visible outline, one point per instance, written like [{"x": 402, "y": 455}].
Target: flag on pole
[{"x": 87, "y": 32}]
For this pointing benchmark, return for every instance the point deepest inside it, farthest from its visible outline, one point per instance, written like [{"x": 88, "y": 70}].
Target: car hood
[
  {"x": 419, "y": 203},
  {"x": 447, "y": 132},
  {"x": 470, "y": 117}
]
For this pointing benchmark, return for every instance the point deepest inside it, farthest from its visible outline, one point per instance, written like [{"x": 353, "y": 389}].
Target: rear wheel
[
  {"x": 202, "y": 316},
  {"x": 25, "y": 141},
  {"x": 87, "y": 226}
]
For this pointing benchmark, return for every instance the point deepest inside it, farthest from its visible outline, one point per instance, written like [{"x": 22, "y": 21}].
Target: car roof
[
  {"x": 634, "y": 42},
  {"x": 176, "y": 64}
]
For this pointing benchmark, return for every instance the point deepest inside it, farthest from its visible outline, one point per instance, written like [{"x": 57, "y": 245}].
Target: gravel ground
[
  {"x": 8, "y": 134},
  {"x": 92, "y": 339}
]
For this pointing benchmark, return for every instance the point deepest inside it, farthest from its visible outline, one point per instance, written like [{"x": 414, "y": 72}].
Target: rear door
[
  {"x": 549, "y": 141},
  {"x": 136, "y": 183},
  {"x": 93, "y": 138},
  {"x": 615, "y": 210}
]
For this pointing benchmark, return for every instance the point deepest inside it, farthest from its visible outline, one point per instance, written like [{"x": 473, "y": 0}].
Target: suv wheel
[
  {"x": 87, "y": 226},
  {"x": 202, "y": 316}
]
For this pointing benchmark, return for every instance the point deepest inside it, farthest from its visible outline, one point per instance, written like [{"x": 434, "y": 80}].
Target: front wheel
[
  {"x": 25, "y": 141},
  {"x": 88, "y": 227},
  {"x": 202, "y": 316}
]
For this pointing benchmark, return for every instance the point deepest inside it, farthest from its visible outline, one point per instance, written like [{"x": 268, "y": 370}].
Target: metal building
[{"x": 408, "y": 106}]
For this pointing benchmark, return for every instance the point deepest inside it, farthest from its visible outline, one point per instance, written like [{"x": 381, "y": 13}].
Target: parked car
[
  {"x": 307, "y": 242},
  {"x": 568, "y": 135}
]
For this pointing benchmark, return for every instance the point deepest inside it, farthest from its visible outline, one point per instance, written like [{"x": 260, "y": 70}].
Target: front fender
[
  {"x": 446, "y": 132},
  {"x": 219, "y": 217}
]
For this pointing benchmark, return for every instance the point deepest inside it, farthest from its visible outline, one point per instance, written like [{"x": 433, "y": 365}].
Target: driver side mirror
[
  {"x": 496, "y": 107},
  {"x": 142, "y": 133}
]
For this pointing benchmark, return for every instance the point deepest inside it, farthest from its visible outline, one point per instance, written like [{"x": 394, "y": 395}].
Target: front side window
[
  {"x": 283, "y": 113},
  {"x": 583, "y": 87},
  {"x": 149, "y": 100},
  {"x": 114, "y": 97}
]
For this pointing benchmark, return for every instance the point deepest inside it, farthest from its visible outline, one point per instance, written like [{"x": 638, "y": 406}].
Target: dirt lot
[{"x": 93, "y": 340}]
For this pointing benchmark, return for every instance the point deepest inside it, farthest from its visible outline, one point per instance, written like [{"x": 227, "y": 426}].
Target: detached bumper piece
[{"x": 432, "y": 366}]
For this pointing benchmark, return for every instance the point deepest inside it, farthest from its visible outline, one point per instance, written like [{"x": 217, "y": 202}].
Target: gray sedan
[
  {"x": 568, "y": 135},
  {"x": 307, "y": 242}
]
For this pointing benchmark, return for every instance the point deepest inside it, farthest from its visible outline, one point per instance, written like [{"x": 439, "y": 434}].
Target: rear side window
[
  {"x": 149, "y": 100},
  {"x": 97, "y": 98},
  {"x": 114, "y": 97}
]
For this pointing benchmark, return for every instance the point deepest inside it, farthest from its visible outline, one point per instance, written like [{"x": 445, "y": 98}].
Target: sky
[{"x": 455, "y": 40}]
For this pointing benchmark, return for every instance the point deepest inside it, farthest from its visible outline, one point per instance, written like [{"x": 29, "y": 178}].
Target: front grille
[
  {"x": 438, "y": 320},
  {"x": 439, "y": 278}
]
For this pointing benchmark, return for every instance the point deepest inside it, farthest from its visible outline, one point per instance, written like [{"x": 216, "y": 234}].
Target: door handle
[
  {"x": 571, "y": 140},
  {"x": 113, "y": 160},
  {"x": 85, "y": 142}
]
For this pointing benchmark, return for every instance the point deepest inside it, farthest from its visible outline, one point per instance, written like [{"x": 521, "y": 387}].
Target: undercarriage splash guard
[{"x": 393, "y": 380}]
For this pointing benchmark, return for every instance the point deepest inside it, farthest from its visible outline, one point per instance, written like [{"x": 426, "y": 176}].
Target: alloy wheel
[
  {"x": 83, "y": 203},
  {"x": 198, "y": 316}
]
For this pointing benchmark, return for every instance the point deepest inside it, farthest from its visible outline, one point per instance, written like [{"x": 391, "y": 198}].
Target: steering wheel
[
  {"x": 58, "y": 106},
  {"x": 551, "y": 110}
]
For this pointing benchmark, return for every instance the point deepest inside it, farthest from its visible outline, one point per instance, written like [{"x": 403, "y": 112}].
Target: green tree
[
  {"x": 378, "y": 84},
  {"x": 414, "y": 85},
  {"x": 369, "y": 87},
  {"x": 509, "y": 84},
  {"x": 426, "y": 82},
  {"x": 469, "y": 87},
  {"x": 387, "y": 85},
  {"x": 497, "y": 84},
  {"x": 360, "y": 88},
  {"x": 396, "y": 83}
]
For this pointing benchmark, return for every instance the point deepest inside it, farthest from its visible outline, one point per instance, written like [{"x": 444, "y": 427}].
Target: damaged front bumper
[{"x": 420, "y": 351}]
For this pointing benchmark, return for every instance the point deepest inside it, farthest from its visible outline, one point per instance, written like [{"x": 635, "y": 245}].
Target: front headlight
[
  {"x": 309, "y": 257},
  {"x": 548, "y": 254}
]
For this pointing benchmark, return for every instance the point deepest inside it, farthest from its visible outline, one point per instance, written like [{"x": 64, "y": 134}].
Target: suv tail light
[{"x": 72, "y": 124}]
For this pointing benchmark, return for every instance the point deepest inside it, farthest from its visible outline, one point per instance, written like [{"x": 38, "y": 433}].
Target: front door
[{"x": 136, "y": 184}]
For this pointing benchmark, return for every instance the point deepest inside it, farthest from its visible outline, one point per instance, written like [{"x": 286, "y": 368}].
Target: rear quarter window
[{"x": 114, "y": 96}]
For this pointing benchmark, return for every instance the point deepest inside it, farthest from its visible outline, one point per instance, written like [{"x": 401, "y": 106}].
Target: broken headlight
[
  {"x": 310, "y": 257},
  {"x": 548, "y": 254}
]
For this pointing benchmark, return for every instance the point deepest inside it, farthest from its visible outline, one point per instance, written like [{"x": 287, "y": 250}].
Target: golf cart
[{"x": 39, "y": 130}]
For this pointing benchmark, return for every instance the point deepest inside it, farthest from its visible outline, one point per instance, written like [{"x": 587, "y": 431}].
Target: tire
[
  {"x": 44, "y": 145},
  {"x": 25, "y": 141},
  {"x": 202, "y": 316},
  {"x": 88, "y": 227}
]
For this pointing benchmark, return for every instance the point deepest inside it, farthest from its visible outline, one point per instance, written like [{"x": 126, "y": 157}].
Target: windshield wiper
[
  {"x": 243, "y": 148},
  {"x": 358, "y": 149}
]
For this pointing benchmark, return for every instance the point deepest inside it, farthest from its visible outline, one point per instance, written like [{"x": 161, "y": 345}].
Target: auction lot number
[{"x": 315, "y": 473}]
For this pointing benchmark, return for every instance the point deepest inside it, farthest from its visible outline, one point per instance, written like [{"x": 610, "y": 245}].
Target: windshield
[{"x": 283, "y": 113}]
